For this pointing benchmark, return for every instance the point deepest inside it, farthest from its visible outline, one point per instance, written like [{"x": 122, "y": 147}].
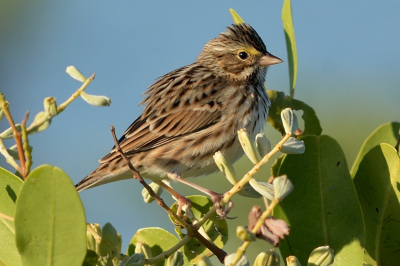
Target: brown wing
[{"x": 178, "y": 104}]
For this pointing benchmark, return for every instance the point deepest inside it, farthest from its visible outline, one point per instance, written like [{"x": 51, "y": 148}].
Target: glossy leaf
[
  {"x": 158, "y": 239},
  {"x": 279, "y": 102},
  {"x": 216, "y": 228},
  {"x": 323, "y": 207},
  {"x": 377, "y": 182},
  {"x": 386, "y": 133},
  {"x": 50, "y": 224},
  {"x": 290, "y": 43},
  {"x": 10, "y": 186}
]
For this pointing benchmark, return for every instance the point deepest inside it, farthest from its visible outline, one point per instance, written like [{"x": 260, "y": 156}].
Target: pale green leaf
[
  {"x": 323, "y": 207},
  {"x": 50, "y": 224},
  {"x": 290, "y": 43}
]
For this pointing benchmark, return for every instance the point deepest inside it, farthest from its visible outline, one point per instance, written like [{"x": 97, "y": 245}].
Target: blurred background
[{"x": 348, "y": 59}]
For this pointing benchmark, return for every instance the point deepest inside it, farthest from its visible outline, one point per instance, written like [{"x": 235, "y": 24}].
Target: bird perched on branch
[{"x": 193, "y": 112}]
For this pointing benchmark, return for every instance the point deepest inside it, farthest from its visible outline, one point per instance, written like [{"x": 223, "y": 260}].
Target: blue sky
[{"x": 348, "y": 54}]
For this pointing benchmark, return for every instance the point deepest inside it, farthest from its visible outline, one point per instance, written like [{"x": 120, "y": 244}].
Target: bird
[{"x": 193, "y": 112}]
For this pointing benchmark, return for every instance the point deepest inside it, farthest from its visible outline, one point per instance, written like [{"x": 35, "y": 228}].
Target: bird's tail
[{"x": 102, "y": 175}]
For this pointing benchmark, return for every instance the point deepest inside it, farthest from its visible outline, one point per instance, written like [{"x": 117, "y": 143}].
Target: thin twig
[
  {"x": 17, "y": 135},
  {"x": 192, "y": 231},
  {"x": 76, "y": 94},
  {"x": 6, "y": 217},
  {"x": 9, "y": 158},
  {"x": 228, "y": 195},
  {"x": 242, "y": 249},
  {"x": 25, "y": 143},
  {"x": 137, "y": 176}
]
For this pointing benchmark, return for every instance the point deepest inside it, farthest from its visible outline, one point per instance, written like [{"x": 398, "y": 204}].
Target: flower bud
[
  {"x": 202, "y": 260},
  {"x": 146, "y": 195},
  {"x": 176, "y": 259},
  {"x": 248, "y": 191},
  {"x": 135, "y": 260},
  {"x": 141, "y": 247},
  {"x": 292, "y": 261},
  {"x": 109, "y": 241},
  {"x": 225, "y": 166},
  {"x": 265, "y": 189},
  {"x": 75, "y": 74},
  {"x": 243, "y": 261},
  {"x": 41, "y": 122},
  {"x": 248, "y": 146},
  {"x": 282, "y": 187},
  {"x": 263, "y": 144},
  {"x": 8, "y": 133},
  {"x": 244, "y": 234},
  {"x": 289, "y": 120},
  {"x": 267, "y": 258},
  {"x": 321, "y": 256},
  {"x": 293, "y": 146},
  {"x": 96, "y": 100},
  {"x": 50, "y": 106},
  {"x": 96, "y": 246}
]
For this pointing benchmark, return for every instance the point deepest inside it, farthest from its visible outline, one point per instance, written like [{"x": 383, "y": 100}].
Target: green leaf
[
  {"x": 236, "y": 18},
  {"x": 50, "y": 224},
  {"x": 377, "y": 182},
  {"x": 158, "y": 239},
  {"x": 110, "y": 241},
  {"x": 386, "y": 133},
  {"x": 10, "y": 185},
  {"x": 91, "y": 258},
  {"x": 290, "y": 44},
  {"x": 216, "y": 228},
  {"x": 323, "y": 208},
  {"x": 279, "y": 102}
]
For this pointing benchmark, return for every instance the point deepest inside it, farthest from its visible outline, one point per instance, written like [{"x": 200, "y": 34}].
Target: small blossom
[
  {"x": 50, "y": 106},
  {"x": 293, "y": 146},
  {"x": 272, "y": 230},
  {"x": 321, "y": 256},
  {"x": 289, "y": 120},
  {"x": 263, "y": 144},
  {"x": 243, "y": 261},
  {"x": 176, "y": 259},
  {"x": 244, "y": 234},
  {"x": 282, "y": 187},
  {"x": 268, "y": 257},
  {"x": 146, "y": 195},
  {"x": 202, "y": 260},
  {"x": 75, "y": 74},
  {"x": 41, "y": 122},
  {"x": 96, "y": 100},
  {"x": 248, "y": 146},
  {"x": 225, "y": 166},
  {"x": 265, "y": 189},
  {"x": 292, "y": 261}
]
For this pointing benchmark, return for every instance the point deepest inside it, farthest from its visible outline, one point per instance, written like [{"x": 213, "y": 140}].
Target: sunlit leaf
[
  {"x": 158, "y": 239},
  {"x": 10, "y": 186},
  {"x": 386, "y": 133},
  {"x": 290, "y": 43},
  {"x": 50, "y": 224},
  {"x": 323, "y": 207}
]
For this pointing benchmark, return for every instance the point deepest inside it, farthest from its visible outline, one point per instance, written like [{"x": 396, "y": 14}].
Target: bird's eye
[{"x": 243, "y": 55}]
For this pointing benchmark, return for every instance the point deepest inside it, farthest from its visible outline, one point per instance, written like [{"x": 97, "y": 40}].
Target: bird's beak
[{"x": 269, "y": 59}]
